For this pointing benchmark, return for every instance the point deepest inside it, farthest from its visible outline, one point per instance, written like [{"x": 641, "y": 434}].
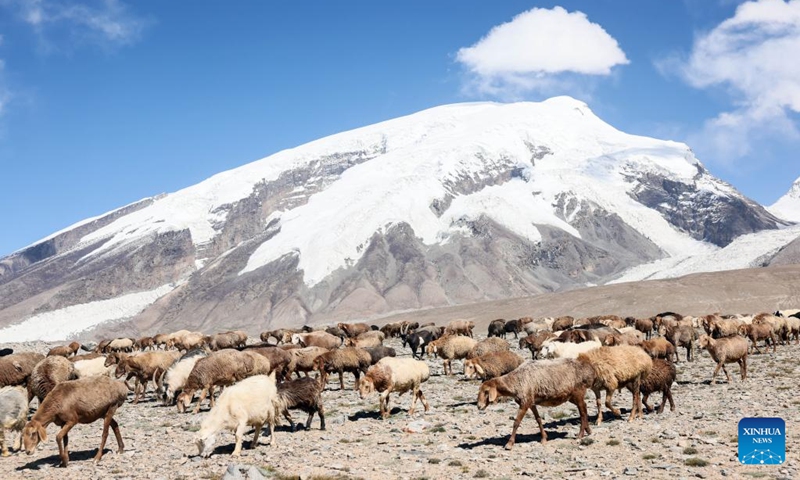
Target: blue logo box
[{"x": 762, "y": 441}]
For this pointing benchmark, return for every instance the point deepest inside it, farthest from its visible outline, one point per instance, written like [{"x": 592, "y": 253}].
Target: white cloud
[
  {"x": 753, "y": 57},
  {"x": 539, "y": 50},
  {"x": 107, "y": 23}
]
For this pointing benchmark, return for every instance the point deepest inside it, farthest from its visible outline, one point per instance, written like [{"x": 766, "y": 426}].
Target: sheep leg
[
  {"x": 743, "y": 368},
  {"x": 755, "y": 346},
  {"x": 117, "y": 435},
  {"x": 599, "y": 411},
  {"x": 341, "y": 380},
  {"x": 240, "y": 429},
  {"x": 413, "y": 401},
  {"x": 358, "y": 377},
  {"x": 272, "y": 433},
  {"x": 539, "y": 421},
  {"x": 3, "y": 445},
  {"x": 104, "y": 437},
  {"x": 447, "y": 365},
  {"x": 203, "y": 394},
  {"x": 423, "y": 400},
  {"x": 321, "y": 413},
  {"x": 17, "y": 442},
  {"x": 257, "y": 432},
  {"x": 62, "y": 448},
  {"x": 578, "y": 399},
  {"x": 291, "y": 422},
  {"x": 384, "y": 405},
  {"x": 520, "y": 415},
  {"x": 648, "y": 408},
  {"x": 726, "y": 373},
  {"x": 211, "y": 395},
  {"x": 716, "y": 370},
  {"x": 609, "y": 397},
  {"x": 636, "y": 408}
]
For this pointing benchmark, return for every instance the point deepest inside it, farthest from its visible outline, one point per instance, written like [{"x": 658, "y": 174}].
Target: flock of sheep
[{"x": 262, "y": 382}]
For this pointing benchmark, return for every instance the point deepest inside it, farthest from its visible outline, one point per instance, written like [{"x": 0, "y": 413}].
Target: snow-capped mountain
[
  {"x": 788, "y": 206},
  {"x": 455, "y": 204}
]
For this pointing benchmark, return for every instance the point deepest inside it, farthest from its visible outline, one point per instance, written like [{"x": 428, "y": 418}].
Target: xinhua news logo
[{"x": 762, "y": 441}]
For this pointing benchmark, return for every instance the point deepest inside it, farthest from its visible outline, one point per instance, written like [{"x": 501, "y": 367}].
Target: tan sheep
[
  {"x": 534, "y": 342},
  {"x": 399, "y": 375},
  {"x": 47, "y": 374},
  {"x": 615, "y": 368},
  {"x": 726, "y": 350},
  {"x": 303, "y": 360},
  {"x": 144, "y": 367},
  {"x": 451, "y": 347},
  {"x": 348, "y": 359},
  {"x": 492, "y": 364},
  {"x": 680, "y": 335},
  {"x": 370, "y": 339},
  {"x": 354, "y": 329},
  {"x": 72, "y": 402},
  {"x": 756, "y": 332},
  {"x": 317, "y": 339},
  {"x": 64, "y": 350},
  {"x": 489, "y": 345},
  {"x": 658, "y": 347},
  {"x": 547, "y": 383},
  {"x": 460, "y": 327},
  {"x": 13, "y": 413}
]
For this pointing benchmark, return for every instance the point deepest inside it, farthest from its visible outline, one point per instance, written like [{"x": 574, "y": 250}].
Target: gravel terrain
[{"x": 698, "y": 440}]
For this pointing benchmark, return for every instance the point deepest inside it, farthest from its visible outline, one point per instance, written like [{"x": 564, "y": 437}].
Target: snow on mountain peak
[{"x": 788, "y": 206}]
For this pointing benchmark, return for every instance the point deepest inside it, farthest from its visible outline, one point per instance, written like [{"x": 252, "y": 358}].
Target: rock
[
  {"x": 418, "y": 426},
  {"x": 233, "y": 473},
  {"x": 254, "y": 474},
  {"x": 630, "y": 471}
]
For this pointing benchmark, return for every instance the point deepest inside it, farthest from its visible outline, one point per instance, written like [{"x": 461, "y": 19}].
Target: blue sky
[{"x": 103, "y": 103}]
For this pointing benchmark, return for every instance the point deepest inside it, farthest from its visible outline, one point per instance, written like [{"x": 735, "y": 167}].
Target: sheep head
[
  {"x": 487, "y": 394},
  {"x": 205, "y": 445},
  {"x": 365, "y": 387},
  {"x": 33, "y": 433}
]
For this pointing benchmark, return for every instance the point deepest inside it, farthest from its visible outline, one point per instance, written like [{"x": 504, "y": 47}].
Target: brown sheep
[
  {"x": 756, "y": 332},
  {"x": 398, "y": 375},
  {"x": 303, "y": 360},
  {"x": 491, "y": 365},
  {"x": 392, "y": 330},
  {"x": 658, "y": 348},
  {"x": 64, "y": 350},
  {"x": 220, "y": 369},
  {"x": 17, "y": 367},
  {"x": 726, "y": 350},
  {"x": 451, "y": 347},
  {"x": 534, "y": 342},
  {"x": 221, "y": 341},
  {"x": 144, "y": 343},
  {"x": 77, "y": 401},
  {"x": 280, "y": 360},
  {"x": 562, "y": 323},
  {"x": 488, "y": 345},
  {"x": 366, "y": 340},
  {"x": 660, "y": 379},
  {"x": 317, "y": 339},
  {"x": 377, "y": 353},
  {"x": 644, "y": 325},
  {"x": 144, "y": 367},
  {"x": 460, "y": 327},
  {"x": 47, "y": 374},
  {"x": 680, "y": 336},
  {"x": 547, "y": 383},
  {"x": 348, "y": 359},
  {"x": 778, "y": 325},
  {"x": 160, "y": 340},
  {"x": 354, "y": 329},
  {"x": 303, "y": 394},
  {"x": 497, "y": 328},
  {"x": 617, "y": 367}
]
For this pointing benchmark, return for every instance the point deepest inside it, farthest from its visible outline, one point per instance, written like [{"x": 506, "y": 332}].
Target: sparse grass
[
  {"x": 734, "y": 439},
  {"x": 459, "y": 398},
  {"x": 655, "y": 440},
  {"x": 454, "y": 463},
  {"x": 710, "y": 433},
  {"x": 586, "y": 441},
  {"x": 465, "y": 469},
  {"x": 559, "y": 414},
  {"x": 649, "y": 456},
  {"x": 756, "y": 474},
  {"x": 471, "y": 437},
  {"x": 204, "y": 476},
  {"x": 783, "y": 387},
  {"x": 481, "y": 474},
  {"x": 434, "y": 461},
  {"x": 437, "y": 429},
  {"x": 689, "y": 451},
  {"x": 695, "y": 462},
  {"x": 191, "y": 428}
]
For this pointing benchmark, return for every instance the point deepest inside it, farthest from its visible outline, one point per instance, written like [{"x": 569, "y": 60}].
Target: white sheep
[
  {"x": 553, "y": 349},
  {"x": 176, "y": 375},
  {"x": 392, "y": 374},
  {"x": 92, "y": 367},
  {"x": 13, "y": 414},
  {"x": 251, "y": 402}
]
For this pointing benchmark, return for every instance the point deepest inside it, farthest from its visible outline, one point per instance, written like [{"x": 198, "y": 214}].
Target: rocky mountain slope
[{"x": 452, "y": 205}]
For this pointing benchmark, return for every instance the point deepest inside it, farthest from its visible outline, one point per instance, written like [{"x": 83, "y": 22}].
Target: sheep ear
[
  {"x": 478, "y": 368},
  {"x": 17, "y": 366},
  {"x": 42, "y": 433},
  {"x": 492, "y": 395}
]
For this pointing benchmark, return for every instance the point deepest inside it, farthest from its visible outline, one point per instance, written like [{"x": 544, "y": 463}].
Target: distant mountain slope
[
  {"x": 788, "y": 206},
  {"x": 455, "y": 204}
]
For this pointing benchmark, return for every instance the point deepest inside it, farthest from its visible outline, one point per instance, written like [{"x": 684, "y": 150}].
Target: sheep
[
  {"x": 304, "y": 394},
  {"x": 17, "y": 367},
  {"x": 658, "y": 348},
  {"x": 451, "y": 347},
  {"x": 251, "y": 402},
  {"x": 547, "y": 383},
  {"x": 793, "y": 328},
  {"x": 64, "y": 350},
  {"x": 534, "y": 342},
  {"x": 366, "y": 340},
  {"x": 491, "y": 364},
  {"x": 627, "y": 338},
  {"x": 617, "y": 367},
  {"x": 220, "y": 368},
  {"x": 191, "y": 341},
  {"x": 348, "y": 359},
  {"x": 407, "y": 327},
  {"x": 47, "y": 374},
  {"x": 353, "y": 329},
  {"x": 562, "y": 323},
  {"x": 92, "y": 367},
  {"x": 13, "y": 413},
  {"x": 644, "y": 325},
  {"x": 120, "y": 345},
  {"x": 418, "y": 341},
  {"x": 171, "y": 382},
  {"x": 669, "y": 317},
  {"x": 726, "y": 350},
  {"x": 174, "y": 337},
  {"x": 719, "y": 327},
  {"x": 660, "y": 379},
  {"x": 497, "y": 328},
  {"x": 220, "y": 341},
  {"x": 577, "y": 335},
  {"x": 756, "y": 332},
  {"x": 488, "y": 345},
  {"x": 144, "y": 343},
  {"x": 395, "y": 375},
  {"x": 160, "y": 340},
  {"x": 303, "y": 360},
  {"x": 555, "y": 349},
  {"x": 680, "y": 336},
  {"x": 102, "y": 346},
  {"x": 778, "y": 325},
  {"x": 513, "y": 326},
  {"x": 377, "y": 353},
  {"x": 460, "y": 327},
  {"x": 280, "y": 360},
  {"x": 77, "y": 401},
  {"x": 338, "y": 332},
  {"x": 144, "y": 368},
  {"x": 317, "y": 339}
]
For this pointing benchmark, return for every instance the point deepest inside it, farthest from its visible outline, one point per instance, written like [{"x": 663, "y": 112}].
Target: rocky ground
[{"x": 698, "y": 440}]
